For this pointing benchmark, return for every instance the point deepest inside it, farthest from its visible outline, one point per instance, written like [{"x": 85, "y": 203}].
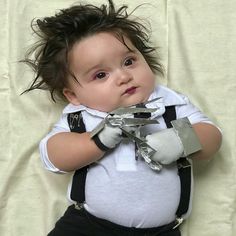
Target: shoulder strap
[
  {"x": 76, "y": 124},
  {"x": 169, "y": 115},
  {"x": 184, "y": 169}
]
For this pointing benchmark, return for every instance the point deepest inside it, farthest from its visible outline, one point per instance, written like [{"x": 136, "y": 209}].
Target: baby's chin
[
  {"x": 128, "y": 104},
  {"x": 135, "y": 103}
]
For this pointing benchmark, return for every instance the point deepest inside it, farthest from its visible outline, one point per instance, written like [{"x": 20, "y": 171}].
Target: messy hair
[{"x": 58, "y": 34}]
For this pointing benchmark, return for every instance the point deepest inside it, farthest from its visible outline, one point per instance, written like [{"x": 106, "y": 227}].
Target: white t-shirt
[{"x": 120, "y": 188}]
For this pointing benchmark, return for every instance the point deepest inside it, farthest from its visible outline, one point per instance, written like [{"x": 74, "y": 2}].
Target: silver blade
[
  {"x": 97, "y": 129},
  {"x": 134, "y": 109},
  {"x": 145, "y": 150},
  {"x": 138, "y": 121},
  {"x": 153, "y": 100},
  {"x": 132, "y": 136}
]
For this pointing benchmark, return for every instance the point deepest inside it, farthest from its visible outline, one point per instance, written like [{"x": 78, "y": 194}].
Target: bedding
[{"x": 196, "y": 41}]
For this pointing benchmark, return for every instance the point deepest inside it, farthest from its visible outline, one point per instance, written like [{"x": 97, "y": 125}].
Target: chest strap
[{"x": 77, "y": 194}]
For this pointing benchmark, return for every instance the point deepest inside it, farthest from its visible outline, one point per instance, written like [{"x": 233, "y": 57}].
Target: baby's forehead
[
  {"x": 98, "y": 50},
  {"x": 107, "y": 40},
  {"x": 111, "y": 37}
]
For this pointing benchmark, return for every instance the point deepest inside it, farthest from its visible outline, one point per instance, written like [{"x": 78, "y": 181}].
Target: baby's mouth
[{"x": 130, "y": 90}]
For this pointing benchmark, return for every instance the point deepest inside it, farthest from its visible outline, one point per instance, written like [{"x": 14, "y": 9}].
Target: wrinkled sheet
[{"x": 197, "y": 45}]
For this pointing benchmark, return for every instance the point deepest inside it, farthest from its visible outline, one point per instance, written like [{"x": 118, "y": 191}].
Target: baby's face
[{"x": 109, "y": 75}]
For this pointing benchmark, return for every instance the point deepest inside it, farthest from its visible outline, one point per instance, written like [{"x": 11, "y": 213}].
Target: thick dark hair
[{"x": 57, "y": 35}]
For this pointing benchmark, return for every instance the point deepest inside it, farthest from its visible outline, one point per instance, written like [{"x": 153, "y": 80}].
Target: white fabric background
[{"x": 197, "y": 46}]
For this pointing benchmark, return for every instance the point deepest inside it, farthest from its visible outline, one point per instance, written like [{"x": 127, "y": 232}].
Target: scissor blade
[
  {"x": 132, "y": 137},
  {"x": 97, "y": 129},
  {"x": 138, "y": 121},
  {"x": 124, "y": 122},
  {"x": 135, "y": 109},
  {"x": 153, "y": 100}
]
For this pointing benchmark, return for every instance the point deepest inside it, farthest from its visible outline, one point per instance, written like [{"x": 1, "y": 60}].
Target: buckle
[
  {"x": 183, "y": 163},
  {"x": 178, "y": 222},
  {"x": 79, "y": 206}
]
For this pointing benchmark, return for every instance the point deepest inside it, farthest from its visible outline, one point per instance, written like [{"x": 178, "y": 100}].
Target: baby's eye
[
  {"x": 100, "y": 75},
  {"x": 129, "y": 61}
]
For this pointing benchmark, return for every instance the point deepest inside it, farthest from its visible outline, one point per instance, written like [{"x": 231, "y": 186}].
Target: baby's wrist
[{"x": 99, "y": 144}]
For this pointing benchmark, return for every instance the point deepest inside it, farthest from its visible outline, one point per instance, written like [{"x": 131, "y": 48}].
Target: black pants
[{"x": 81, "y": 223}]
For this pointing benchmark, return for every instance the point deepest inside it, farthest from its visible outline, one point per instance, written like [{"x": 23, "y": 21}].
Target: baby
[{"x": 129, "y": 179}]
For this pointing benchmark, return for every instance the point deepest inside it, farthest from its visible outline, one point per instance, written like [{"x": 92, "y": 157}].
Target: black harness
[{"x": 77, "y": 194}]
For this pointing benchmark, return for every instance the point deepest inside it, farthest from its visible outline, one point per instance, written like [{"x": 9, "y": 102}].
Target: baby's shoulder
[{"x": 170, "y": 96}]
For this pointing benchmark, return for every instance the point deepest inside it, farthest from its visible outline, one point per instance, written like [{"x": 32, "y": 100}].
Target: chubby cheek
[
  {"x": 151, "y": 80},
  {"x": 98, "y": 101},
  {"x": 108, "y": 102},
  {"x": 102, "y": 105},
  {"x": 148, "y": 81}
]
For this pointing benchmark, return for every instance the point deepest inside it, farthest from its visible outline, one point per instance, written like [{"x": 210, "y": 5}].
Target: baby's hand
[
  {"x": 108, "y": 133},
  {"x": 171, "y": 144},
  {"x": 108, "y": 137},
  {"x": 167, "y": 144}
]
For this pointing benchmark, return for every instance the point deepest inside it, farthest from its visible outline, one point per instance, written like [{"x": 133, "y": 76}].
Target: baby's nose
[{"x": 124, "y": 77}]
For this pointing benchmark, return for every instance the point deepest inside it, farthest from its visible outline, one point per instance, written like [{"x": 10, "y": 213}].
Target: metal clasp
[
  {"x": 79, "y": 206},
  {"x": 183, "y": 164},
  {"x": 179, "y": 221}
]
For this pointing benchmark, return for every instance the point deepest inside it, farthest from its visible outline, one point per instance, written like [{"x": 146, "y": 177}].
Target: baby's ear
[{"x": 71, "y": 96}]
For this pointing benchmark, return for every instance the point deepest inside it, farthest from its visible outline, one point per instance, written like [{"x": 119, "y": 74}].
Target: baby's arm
[
  {"x": 170, "y": 146},
  {"x": 201, "y": 141},
  {"x": 63, "y": 151},
  {"x": 69, "y": 151},
  {"x": 208, "y": 134},
  {"x": 210, "y": 138}
]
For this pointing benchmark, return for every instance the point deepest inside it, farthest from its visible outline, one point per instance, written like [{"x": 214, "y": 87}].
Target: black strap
[
  {"x": 184, "y": 168},
  {"x": 185, "y": 175},
  {"x": 142, "y": 114},
  {"x": 100, "y": 145},
  {"x": 169, "y": 115},
  {"x": 77, "y": 194},
  {"x": 76, "y": 124}
]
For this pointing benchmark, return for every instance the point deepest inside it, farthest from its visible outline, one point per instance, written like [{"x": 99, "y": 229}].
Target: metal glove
[{"x": 171, "y": 144}]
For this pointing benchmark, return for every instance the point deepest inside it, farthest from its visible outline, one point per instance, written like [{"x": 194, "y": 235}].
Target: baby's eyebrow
[
  {"x": 131, "y": 50},
  {"x": 92, "y": 68}
]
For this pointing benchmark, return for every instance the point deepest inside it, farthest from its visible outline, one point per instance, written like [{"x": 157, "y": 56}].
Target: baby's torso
[
  {"x": 134, "y": 198},
  {"x": 123, "y": 189}
]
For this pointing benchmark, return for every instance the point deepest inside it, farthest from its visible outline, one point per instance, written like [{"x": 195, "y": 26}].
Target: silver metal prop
[{"x": 122, "y": 117}]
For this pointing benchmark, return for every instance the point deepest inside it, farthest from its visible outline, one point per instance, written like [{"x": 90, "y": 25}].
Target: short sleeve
[
  {"x": 192, "y": 112},
  {"x": 60, "y": 126}
]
